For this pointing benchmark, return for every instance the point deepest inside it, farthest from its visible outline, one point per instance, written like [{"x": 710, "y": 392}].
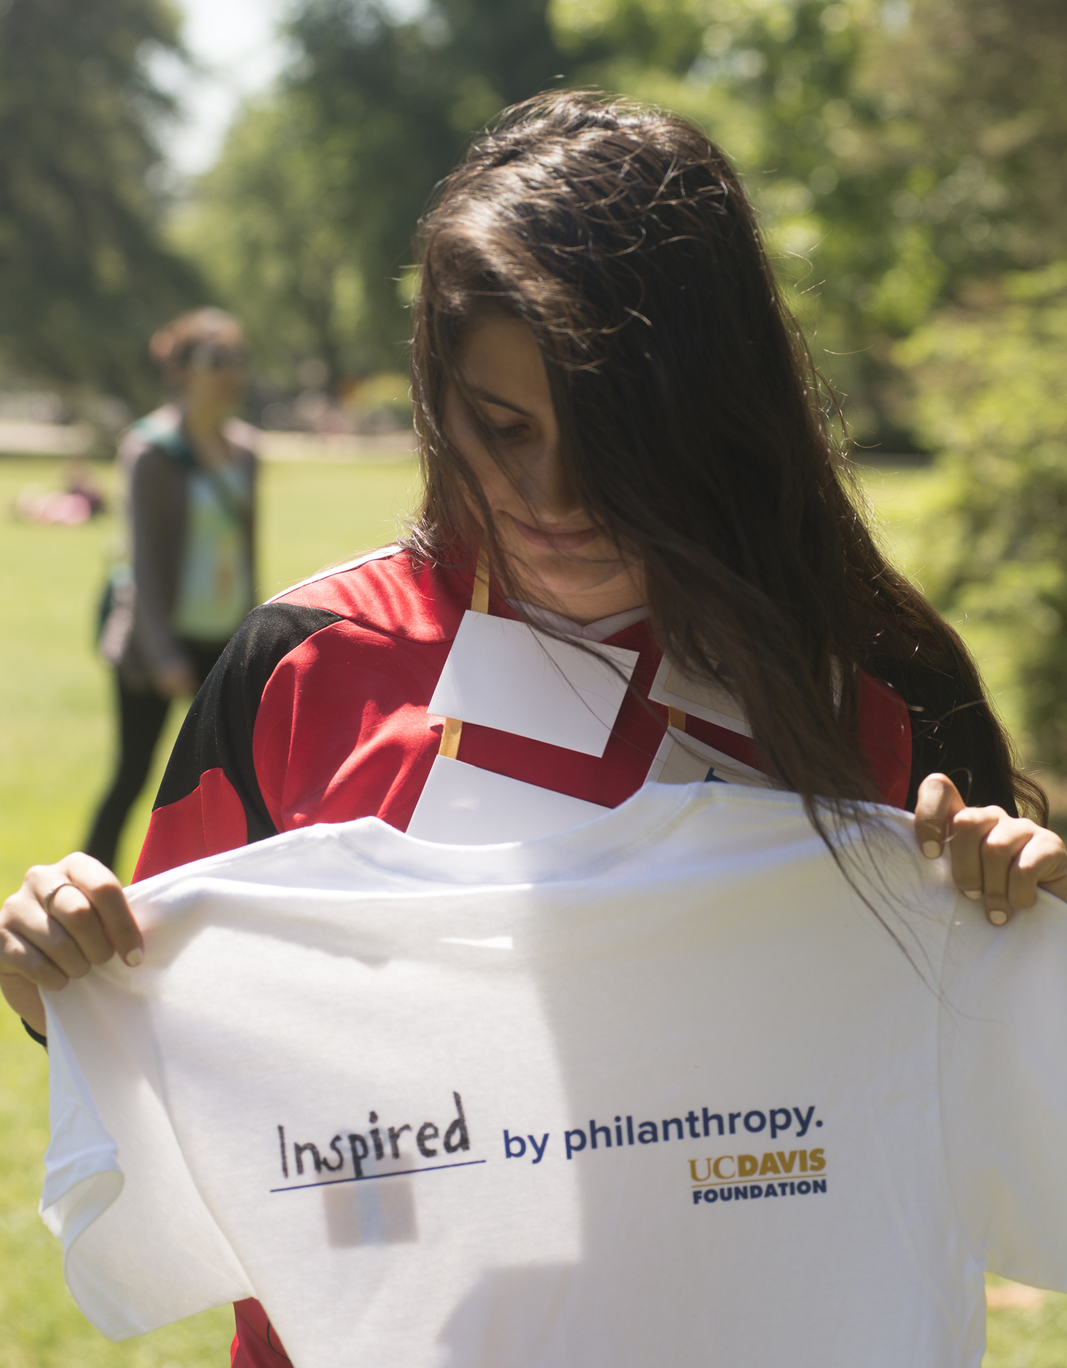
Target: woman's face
[
  {"x": 214, "y": 378},
  {"x": 561, "y": 559}
]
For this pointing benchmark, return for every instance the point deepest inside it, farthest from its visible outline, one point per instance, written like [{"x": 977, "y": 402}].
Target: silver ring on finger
[{"x": 46, "y": 901}]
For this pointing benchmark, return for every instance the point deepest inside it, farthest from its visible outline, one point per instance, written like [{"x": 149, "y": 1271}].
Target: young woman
[
  {"x": 190, "y": 470},
  {"x": 618, "y": 420}
]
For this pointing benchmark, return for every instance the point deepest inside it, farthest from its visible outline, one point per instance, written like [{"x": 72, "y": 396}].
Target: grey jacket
[{"x": 157, "y": 461}]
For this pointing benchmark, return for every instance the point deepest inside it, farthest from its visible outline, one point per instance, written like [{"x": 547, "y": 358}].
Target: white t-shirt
[{"x": 658, "y": 1090}]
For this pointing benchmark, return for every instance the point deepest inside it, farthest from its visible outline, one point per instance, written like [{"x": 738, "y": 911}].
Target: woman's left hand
[{"x": 996, "y": 857}]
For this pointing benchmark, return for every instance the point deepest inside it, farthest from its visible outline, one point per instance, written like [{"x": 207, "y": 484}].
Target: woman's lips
[{"x": 555, "y": 541}]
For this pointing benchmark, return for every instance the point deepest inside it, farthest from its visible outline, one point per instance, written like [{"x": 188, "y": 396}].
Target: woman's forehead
[{"x": 498, "y": 355}]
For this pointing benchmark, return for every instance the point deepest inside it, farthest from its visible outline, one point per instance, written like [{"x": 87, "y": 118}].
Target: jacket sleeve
[
  {"x": 158, "y": 494},
  {"x": 210, "y": 798},
  {"x": 253, "y": 525},
  {"x": 243, "y": 438}
]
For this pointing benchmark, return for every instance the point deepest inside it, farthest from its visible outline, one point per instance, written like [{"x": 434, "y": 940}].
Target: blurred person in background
[
  {"x": 190, "y": 468},
  {"x": 79, "y": 500}
]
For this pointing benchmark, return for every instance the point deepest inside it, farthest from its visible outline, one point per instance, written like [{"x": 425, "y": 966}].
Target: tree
[
  {"x": 889, "y": 149},
  {"x": 980, "y": 83},
  {"x": 265, "y": 226},
  {"x": 83, "y": 275},
  {"x": 985, "y": 84},
  {"x": 992, "y": 399},
  {"x": 396, "y": 103},
  {"x": 305, "y": 224},
  {"x": 894, "y": 149}
]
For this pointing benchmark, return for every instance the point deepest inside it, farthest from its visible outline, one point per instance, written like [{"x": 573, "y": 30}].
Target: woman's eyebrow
[{"x": 495, "y": 399}]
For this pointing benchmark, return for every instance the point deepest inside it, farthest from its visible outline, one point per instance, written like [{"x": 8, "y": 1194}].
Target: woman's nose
[{"x": 546, "y": 484}]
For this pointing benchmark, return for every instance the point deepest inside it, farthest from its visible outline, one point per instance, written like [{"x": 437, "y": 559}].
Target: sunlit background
[{"x": 272, "y": 156}]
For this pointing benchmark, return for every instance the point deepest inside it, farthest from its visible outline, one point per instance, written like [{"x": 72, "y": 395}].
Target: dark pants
[{"x": 140, "y": 720}]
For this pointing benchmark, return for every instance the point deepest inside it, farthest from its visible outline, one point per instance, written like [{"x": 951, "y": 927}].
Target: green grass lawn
[
  {"x": 55, "y": 751},
  {"x": 55, "y": 739}
]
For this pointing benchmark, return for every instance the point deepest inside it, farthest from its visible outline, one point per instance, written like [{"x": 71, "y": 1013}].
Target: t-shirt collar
[{"x": 592, "y": 631}]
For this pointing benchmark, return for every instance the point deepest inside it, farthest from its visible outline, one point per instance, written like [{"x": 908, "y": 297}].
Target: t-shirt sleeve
[
  {"x": 140, "y": 1246},
  {"x": 210, "y": 798},
  {"x": 1004, "y": 1088}
]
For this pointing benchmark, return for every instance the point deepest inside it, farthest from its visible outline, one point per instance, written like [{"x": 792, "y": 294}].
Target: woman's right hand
[{"x": 65, "y": 918}]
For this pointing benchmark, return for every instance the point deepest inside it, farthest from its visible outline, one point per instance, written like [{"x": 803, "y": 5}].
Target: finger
[
  {"x": 31, "y": 925},
  {"x": 937, "y": 803},
  {"x": 24, "y": 998},
  {"x": 78, "y": 917},
  {"x": 50, "y": 968},
  {"x": 104, "y": 892},
  {"x": 33, "y": 915},
  {"x": 999, "y": 849},
  {"x": 28, "y": 937},
  {"x": 1042, "y": 861},
  {"x": 968, "y": 830}
]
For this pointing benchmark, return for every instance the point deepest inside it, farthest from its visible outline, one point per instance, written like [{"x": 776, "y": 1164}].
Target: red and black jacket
[{"x": 317, "y": 712}]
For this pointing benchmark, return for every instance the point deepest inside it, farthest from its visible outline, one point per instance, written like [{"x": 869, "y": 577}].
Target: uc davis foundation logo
[{"x": 746, "y": 1177}]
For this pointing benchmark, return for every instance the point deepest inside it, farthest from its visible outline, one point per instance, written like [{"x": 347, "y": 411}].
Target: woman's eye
[{"x": 513, "y": 433}]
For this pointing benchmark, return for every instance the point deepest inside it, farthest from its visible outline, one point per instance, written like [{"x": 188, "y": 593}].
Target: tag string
[
  {"x": 453, "y": 728},
  {"x": 480, "y": 596}
]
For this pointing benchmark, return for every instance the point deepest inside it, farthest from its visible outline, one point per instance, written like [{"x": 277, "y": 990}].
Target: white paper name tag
[
  {"x": 701, "y": 697},
  {"x": 682, "y": 759},
  {"x": 507, "y": 675},
  {"x": 464, "y": 805}
]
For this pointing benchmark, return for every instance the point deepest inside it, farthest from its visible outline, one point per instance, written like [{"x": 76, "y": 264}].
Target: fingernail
[
  {"x": 973, "y": 894},
  {"x": 134, "y": 958},
  {"x": 931, "y": 849},
  {"x": 997, "y": 916}
]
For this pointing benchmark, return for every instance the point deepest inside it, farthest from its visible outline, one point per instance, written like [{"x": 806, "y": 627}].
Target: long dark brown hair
[{"x": 694, "y": 431}]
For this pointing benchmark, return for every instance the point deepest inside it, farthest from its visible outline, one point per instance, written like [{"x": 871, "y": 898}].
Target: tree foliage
[
  {"x": 398, "y": 102},
  {"x": 306, "y": 222},
  {"x": 891, "y": 148},
  {"x": 83, "y": 275},
  {"x": 983, "y": 82},
  {"x": 268, "y": 228},
  {"x": 992, "y": 398}
]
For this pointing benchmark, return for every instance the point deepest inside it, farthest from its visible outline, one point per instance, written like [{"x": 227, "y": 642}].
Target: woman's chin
[{"x": 563, "y": 585}]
